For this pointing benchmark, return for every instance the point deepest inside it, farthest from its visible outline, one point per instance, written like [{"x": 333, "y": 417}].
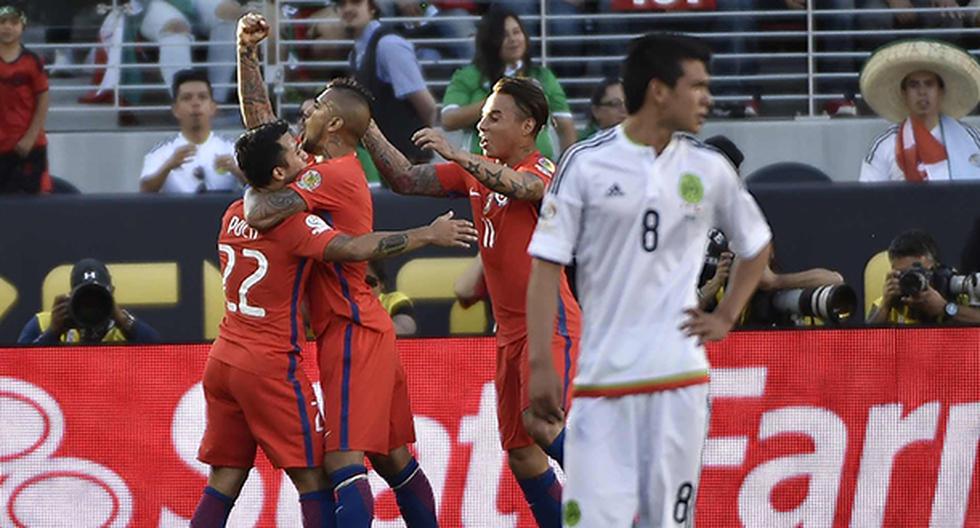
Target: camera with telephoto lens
[
  {"x": 717, "y": 244},
  {"x": 90, "y": 305},
  {"x": 832, "y": 303},
  {"x": 965, "y": 285}
]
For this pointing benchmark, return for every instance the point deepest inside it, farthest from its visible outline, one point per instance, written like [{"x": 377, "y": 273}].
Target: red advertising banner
[{"x": 809, "y": 428}]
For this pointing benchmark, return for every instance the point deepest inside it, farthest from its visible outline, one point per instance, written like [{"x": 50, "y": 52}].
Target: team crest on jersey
[
  {"x": 309, "y": 181},
  {"x": 691, "y": 188},
  {"x": 316, "y": 224},
  {"x": 572, "y": 513},
  {"x": 545, "y": 165},
  {"x": 549, "y": 210},
  {"x": 500, "y": 199}
]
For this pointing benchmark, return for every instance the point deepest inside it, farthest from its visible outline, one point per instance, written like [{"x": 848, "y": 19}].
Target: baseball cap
[
  {"x": 90, "y": 270},
  {"x": 8, "y": 9}
]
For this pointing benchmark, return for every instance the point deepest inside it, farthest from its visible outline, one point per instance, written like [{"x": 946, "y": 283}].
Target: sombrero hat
[{"x": 881, "y": 77}]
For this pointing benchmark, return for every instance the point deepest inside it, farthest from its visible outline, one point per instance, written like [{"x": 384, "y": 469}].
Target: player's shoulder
[
  {"x": 584, "y": 152},
  {"x": 701, "y": 156},
  {"x": 538, "y": 163},
  {"x": 234, "y": 208},
  {"x": 972, "y": 131}
]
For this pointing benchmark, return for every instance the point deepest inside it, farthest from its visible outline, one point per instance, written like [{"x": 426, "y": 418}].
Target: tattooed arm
[
  {"x": 401, "y": 175},
  {"x": 253, "y": 96},
  {"x": 264, "y": 210},
  {"x": 444, "y": 231},
  {"x": 495, "y": 176}
]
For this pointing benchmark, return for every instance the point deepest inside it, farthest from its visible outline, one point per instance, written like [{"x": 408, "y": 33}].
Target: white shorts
[{"x": 634, "y": 459}]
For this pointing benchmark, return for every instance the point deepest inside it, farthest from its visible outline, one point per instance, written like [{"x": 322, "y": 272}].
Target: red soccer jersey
[
  {"x": 337, "y": 191},
  {"x": 505, "y": 226},
  {"x": 21, "y": 82},
  {"x": 264, "y": 278}
]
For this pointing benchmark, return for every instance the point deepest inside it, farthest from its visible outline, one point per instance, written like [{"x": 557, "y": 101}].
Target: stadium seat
[
  {"x": 787, "y": 172},
  {"x": 874, "y": 278},
  {"x": 431, "y": 279}
]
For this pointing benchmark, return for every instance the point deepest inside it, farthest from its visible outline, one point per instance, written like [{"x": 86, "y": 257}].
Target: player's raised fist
[
  {"x": 252, "y": 29},
  {"x": 447, "y": 232}
]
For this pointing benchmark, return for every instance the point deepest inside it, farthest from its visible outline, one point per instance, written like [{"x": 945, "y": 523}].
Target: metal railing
[{"x": 790, "y": 61}]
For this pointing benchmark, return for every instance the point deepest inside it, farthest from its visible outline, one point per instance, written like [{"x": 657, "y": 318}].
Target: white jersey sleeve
[
  {"x": 557, "y": 233},
  {"x": 739, "y": 216}
]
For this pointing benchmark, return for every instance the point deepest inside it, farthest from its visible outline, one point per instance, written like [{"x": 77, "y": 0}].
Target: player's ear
[
  {"x": 279, "y": 173},
  {"x": 336, "y": 123},
  {"x": 527, "y": 127}
]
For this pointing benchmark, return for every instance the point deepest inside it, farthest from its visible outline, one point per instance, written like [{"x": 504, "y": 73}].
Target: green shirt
[{"x": 468, "y": 86}]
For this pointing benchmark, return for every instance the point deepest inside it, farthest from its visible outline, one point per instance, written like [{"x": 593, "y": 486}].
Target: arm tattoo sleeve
[
  {"x": 254, "y": 100},
  {"x": 268, "y": 209},
  {"x": 401, "y": 175},
  {"x": 504, "y": 180}
]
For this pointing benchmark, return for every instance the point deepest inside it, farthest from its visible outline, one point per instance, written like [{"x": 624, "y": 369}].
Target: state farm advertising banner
[{"x": 809, "y": 428}]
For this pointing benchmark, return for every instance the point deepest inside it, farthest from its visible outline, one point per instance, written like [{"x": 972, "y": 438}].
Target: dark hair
[
  {"x": 658, "y": 56},
  {"x": 377, "y": 268},
  {"x": 489, "y": 39},
  {"x": 913, "y": 243},
  {"x": 372, "y": 5},
  {"x": 258, "y": 152},
  {"x": 351, "y": 85},
  {"x": 528, "y": 97},
  {"x": 190, "y": 75}
]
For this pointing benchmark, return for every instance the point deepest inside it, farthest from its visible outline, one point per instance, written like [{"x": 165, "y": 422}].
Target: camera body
[{"x": 717, "y": 244}]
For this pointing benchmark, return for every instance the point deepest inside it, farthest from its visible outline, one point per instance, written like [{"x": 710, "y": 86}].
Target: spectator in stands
[
  {"x": 23, "y": 109},
  {"x": 89, "y": 314},
  {"x": 925, "y": 87},
  {"x": 557, "y": 27},
  {"x": 503, "y": 50},
  {"x": 608, "y": 106},
  {"x": 909, "y": 19},
  {"x": 195, "y": 160},
  {"x": 916, "y": 252},
  {"x": 385, "y": 64},
  {"x": 171, "y": 25},
  {"x": 436, "y": 27},
  {"x": 398, "y": 305}
]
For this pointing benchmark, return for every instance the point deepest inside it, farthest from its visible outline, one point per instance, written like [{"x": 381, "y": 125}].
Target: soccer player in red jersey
[
  {"x": 256, "y": 394},
  {"x": 365, "y": 392},
  {"x": 505, "y": 189}
]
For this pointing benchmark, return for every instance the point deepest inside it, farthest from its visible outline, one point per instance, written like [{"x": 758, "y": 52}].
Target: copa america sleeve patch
[
  {"x": 309, "y": 181},
  {"x": 546, "y": 166},
  {"x": 316, "y": 224}
]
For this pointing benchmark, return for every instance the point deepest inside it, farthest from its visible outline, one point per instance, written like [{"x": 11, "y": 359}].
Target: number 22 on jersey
[{"x": 261, "y": 269}]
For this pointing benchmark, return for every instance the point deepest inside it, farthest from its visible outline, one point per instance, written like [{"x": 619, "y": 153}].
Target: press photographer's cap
[
  {"x": 10, "y": 10},
  {"x": 882, "y": 75},
  {"x": 90, "y": 270}
]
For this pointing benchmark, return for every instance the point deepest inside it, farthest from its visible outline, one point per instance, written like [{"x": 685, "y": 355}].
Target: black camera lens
[
  {"x": 913, "y": 281},
  {"x": 91, "y": 305}
]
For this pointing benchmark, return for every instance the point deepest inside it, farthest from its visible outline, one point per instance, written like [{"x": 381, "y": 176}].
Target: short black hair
[
  {"x": 528, "y": 97},
  {"x": 350, "y": 84},
  {"x": 190, "y": 75},
  {"x": 913, "y": 243},
  {"x": 658, "y": 56},
  {"x": 258, "y": 152}
]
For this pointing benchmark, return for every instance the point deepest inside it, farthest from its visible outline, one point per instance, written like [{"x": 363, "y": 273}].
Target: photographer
[
  {"x": 88, "y": 315},
  {"x": 918, "y": 289},
  {"x": 782, "y": 299}
]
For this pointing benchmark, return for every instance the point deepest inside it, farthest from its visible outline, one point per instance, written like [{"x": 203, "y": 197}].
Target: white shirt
[
  {"x": 962, "y": 146},
  {"x": 182, "y": 179},
  {"x": 637, "y": 224}
]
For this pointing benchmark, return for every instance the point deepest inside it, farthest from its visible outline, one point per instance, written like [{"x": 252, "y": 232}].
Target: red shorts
[
  {"x": 512, "y": 379},
  {"x": 365, "y": 390},
  {"x": 245, "y": 410}
]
